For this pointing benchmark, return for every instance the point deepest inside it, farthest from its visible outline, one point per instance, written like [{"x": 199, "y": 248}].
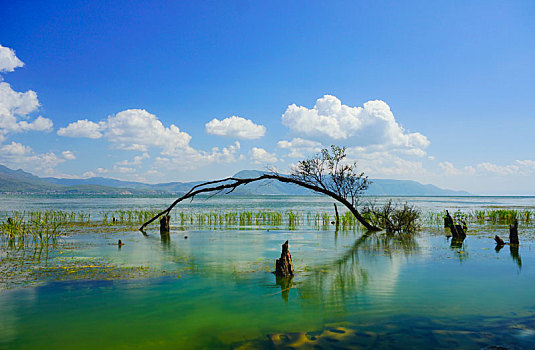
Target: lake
[{"x": 212, "y": 286}]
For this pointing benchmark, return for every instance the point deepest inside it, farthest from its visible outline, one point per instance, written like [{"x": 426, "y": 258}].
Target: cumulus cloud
[
  {"x": 16, "y": 155},
  {"x": 371, "y": 125},
  {"x": 15, "y": 107},
  {"x": 261, "y": 156},
  {"x": 299, "y": 147},
  {"x": 68, "y": 155},
  {"x": 383, "y": 164},
  {"x": 8, "y": 60},
  {"x": 83, "y": 128},
  {"x": 137, "y": 129},
  {"x": 237, "y": 127}
]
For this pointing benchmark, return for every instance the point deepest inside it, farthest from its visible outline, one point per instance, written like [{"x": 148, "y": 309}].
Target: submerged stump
[{"x": 284, "y": 266}]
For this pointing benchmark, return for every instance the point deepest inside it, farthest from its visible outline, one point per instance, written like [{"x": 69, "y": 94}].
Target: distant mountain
[
  {"x": 379, "y": 187},
  {"x": 19, "y": 181}
]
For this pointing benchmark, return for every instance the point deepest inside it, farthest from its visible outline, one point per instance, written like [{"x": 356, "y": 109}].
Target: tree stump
[
  {"x": 448, "y": 220},
  {"x": 165, "y": 220},
  {"x": 513, "y": 233},
  {"x": 284, "y": 266}
]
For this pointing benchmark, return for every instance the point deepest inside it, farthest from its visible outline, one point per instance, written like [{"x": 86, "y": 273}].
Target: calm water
[{"x": 351, "y": 290}]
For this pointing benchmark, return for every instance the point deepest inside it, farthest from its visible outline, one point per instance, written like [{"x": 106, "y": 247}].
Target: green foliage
[
  {"x": 394, "y": 217},
  {"x": 330, "y": 171}
]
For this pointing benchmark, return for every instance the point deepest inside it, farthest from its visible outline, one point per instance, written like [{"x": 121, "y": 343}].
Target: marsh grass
[{"x": 488, "y": 216}]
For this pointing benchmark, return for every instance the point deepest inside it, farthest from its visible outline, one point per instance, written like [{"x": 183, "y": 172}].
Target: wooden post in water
[
  {"x": 284, "y": 266},
  {"x": 336, "y": 214}
]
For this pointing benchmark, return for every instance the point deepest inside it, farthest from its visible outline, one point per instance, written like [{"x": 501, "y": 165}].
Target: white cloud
[
  {"x": 137, "y": 129},
  {"x": 237, "y": 127},
  {"x": 372, "y": 126},
  {"x": 299, "y": 147},
  {"x": 124, "y": 170},
  {"x": 68, "y": 155},
  {"x": 261, "y": 156},
  {"x": 14, "y": 109},
  {"x": 88, "y": 174},
  {"x": 136, "y": 161},
  {"x": 498, "y": 169},
  {"x": 15, "y": 149},
  {"x": 8, "y": 60},
  {"x": 133, "y": 130},
  {"x": 102, "y": 170},
  {"x": 383, "y": 164},
  {"x": 448, "y": 169},
  {"x": 82, "y": 128},
  {"x": 16, "y": 155}
]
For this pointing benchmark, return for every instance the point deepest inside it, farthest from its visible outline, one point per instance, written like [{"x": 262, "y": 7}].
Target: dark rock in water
[
  {"x": 284, "y": 266},
  {"x": 185, "y": 237}
]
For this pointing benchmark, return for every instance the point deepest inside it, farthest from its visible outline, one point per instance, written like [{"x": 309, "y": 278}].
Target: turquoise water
[{"x": 216, "y": 289}]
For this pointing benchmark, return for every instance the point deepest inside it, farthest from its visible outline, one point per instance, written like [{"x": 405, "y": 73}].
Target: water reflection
[
  {"x": 515, "y": 255},
  {"x": 374, "y": 260},
  {"x": 286, "y": 284}
]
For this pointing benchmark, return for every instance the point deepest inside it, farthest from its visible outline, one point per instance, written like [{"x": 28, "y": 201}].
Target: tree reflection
[{"x": 353, "y": 271}]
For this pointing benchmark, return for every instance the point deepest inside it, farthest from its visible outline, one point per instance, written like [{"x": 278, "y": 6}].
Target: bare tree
[
  {"x": 324, "y": 173},
  {"x": 329, "y": 171}
]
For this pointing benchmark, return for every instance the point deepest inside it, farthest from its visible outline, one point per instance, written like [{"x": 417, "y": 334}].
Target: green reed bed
[{"x": 485, "y": 216}]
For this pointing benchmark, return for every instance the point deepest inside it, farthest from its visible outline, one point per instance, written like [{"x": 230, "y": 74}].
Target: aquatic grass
[{"x": 483, "y": 216}]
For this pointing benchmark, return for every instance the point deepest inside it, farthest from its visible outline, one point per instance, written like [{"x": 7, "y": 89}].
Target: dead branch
[{"x": 232, "y": 183}]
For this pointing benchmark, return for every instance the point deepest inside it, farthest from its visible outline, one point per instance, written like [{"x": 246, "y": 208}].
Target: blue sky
[{"x": 440, "y": 92}]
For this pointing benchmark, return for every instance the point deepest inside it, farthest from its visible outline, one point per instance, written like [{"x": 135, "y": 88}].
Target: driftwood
[
  {"x": 231, "y": 183},
  {"x": 284, "y": 266},
  {"x": 499, "y": 241}
]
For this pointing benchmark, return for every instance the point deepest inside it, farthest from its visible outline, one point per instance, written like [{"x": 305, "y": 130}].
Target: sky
[{"x": 439, "y": 92}]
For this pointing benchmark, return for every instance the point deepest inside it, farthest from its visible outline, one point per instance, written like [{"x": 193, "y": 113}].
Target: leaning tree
[{"x": 328, "y": 172}]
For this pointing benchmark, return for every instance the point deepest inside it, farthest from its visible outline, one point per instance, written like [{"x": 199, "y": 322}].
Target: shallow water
[{"x": 215, "y": 289}]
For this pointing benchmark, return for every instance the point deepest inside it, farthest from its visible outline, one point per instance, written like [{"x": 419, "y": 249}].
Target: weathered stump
[
  {"x": 284, "y": 266},
  {"x": 448, "y": 220},
  {"x": 165, "y": 221},
  {"x": 513, "y": 233}
]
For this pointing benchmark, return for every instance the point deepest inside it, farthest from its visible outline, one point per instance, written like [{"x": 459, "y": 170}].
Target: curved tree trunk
[{"x": 232, "y": 183}]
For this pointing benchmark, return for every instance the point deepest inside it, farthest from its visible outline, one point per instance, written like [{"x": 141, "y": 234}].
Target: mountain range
[{"x": 19, "y": 181}]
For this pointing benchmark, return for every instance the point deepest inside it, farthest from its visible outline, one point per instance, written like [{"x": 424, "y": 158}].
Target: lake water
[{"x": 215, "y": 289}]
